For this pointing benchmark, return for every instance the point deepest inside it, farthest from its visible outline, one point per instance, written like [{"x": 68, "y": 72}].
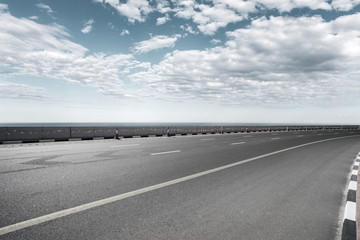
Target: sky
[{"x": 231, "y": 61}]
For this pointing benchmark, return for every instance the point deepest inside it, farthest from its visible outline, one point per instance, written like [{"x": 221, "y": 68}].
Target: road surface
[{"x": 276, "y": 185}]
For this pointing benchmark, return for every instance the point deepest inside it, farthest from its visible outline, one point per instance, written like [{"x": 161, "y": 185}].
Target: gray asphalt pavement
[{"x": 292, "y": 194}]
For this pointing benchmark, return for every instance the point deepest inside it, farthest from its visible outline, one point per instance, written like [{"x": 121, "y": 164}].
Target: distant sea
[{"x": 137, "y": 124}]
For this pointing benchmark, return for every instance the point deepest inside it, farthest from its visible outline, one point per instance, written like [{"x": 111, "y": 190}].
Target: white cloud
[
  {"x": 162, "y": 20},
  {"x": 3, "y": 7},
  {"x": 344, "y": 5},
  {"x": 45, "y": 7},
  {"x": 212, "y": 15},
  {"x": 125, "y": 32},
  {"x": 208, "y": 18},
  {"x": 33, "y": 49},
  {"x": 288, "y": 5},
  {"x": 87, "y": 26},
  {"x": 215, "y": 41},
  {"x": 156, "y": 42},
  {"x": 188, "y": 29},
  {"x": 34, "y": 17},
  {"x": 21, "y": 91},
  {"x": 162, "y": 6},
  {"x": 281, "y": 61},
  {"x": 134, "y": 10},
  {"x": 242, "y": 7}
]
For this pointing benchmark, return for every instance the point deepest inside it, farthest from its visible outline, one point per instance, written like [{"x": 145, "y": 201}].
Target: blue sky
[{"x": 258, "y": 61}]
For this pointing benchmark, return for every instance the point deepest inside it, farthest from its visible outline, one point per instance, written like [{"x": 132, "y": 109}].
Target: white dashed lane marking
[
  {"x": 161, "y": 153},
  {"x": 237, "y": 143}
]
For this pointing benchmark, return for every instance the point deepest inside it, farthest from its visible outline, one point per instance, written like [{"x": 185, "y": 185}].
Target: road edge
[{"x": 351, "y": 214}]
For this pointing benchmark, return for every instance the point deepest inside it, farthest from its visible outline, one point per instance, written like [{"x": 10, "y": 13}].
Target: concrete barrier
[
  {"x": 181, "y": 130},
  {"x": 157, "y": 131},
  {"x": 126, "y": 131},
  {"x": 82, "y": 132},
  {"x": 32, "y": 134},
  {"x": 23, "y": 133},
  {"x": 141, "y": 131},
  {"x": 3, "y": 135},
  {"x": 192, "y": 130},
  {"x": 56, "y": 133},
  {"x": 206, "y": 130},
  {"x": 149, "y": 131},
  {"x": 212, "y": 130},
  {"x": 105, "y": 132},
  {"x": 230, "y": 129}
]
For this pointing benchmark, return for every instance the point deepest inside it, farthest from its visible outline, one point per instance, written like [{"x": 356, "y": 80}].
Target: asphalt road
[{"x": 277, "y": 185}]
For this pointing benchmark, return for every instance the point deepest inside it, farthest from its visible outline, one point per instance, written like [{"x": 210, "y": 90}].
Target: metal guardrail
[{"x": 35, "y": 134}]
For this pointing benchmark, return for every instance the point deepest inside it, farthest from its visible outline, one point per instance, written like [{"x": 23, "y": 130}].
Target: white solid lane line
[
  {"x": 161, "y": 153},
  {"x": 237, "y": 143},
  {"x": 66, "y": 212}
]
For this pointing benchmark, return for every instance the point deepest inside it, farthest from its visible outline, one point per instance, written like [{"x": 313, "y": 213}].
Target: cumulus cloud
[
  {"x": 209, "y": 16},
  {"x": 33, "y": 49},
  {"x": 188, "y": 28},
  {"x": 87, "y": 26},
  {"x": 134, "y": 10},
  {"x": 277, "y": 61},
  {"x": 288, "y": 5},
  {"x": 163, "y": 6},
  {"x": 215, "y": 41},
  {"x": 156, "y": 42},
  {"x": 162, "y": 20},
  {"x": 242, "y": 7},
  {"x": 212, "y": 15},
  {"x": 344, "y": 5},
  {"x": 124, "y": 32}
]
